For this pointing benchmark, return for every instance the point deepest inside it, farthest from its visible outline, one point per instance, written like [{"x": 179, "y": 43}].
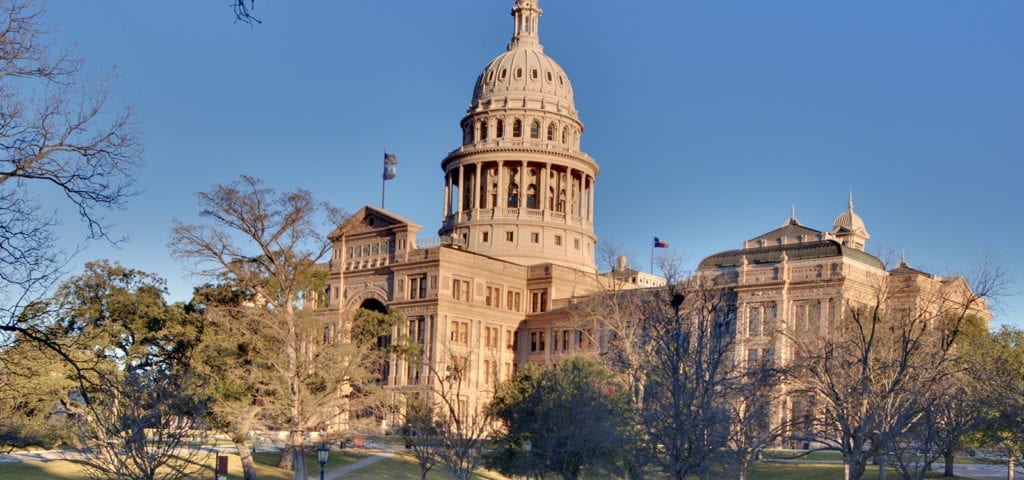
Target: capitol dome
[
  {"x": 523, "y": 70},
  {"x": 519, "y": 188},
  {"x": 849, "y": 228},
  {"x": 523, "y": 76}
]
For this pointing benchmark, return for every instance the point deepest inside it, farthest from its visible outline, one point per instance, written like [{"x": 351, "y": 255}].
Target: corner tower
[{"x": 519, "y": 188}]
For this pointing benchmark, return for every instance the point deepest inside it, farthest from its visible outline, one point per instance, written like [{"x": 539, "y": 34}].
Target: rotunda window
[
  {"x": 549, "y": 76},
  {"x": 504, "y": 72},
  {"x": 517, "y": 128},
  {"x": 551, "y": 132},
  {"x": 534, "y": 74},
  {"x": 535, "y": 129},
  {"x": 519, "y": 73},
  {"x": 483, "y": 130},
  {"x": 500, "y": 129},
  {"x": 531, "y": 197},
  {"x": 560, "y": 80},
  {"x": 490, "y": 76},
  {"x": 565, "y": 135}
]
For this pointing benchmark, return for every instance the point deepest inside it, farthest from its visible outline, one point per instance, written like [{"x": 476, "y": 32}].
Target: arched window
[
  {"x": 531, "y": 197},
  {"x": 535, "y": 129},
  {"x": 565, "y": 135},
  {"x": 517, "y": 128},
  {"x": 551, "y": 132},
  {"x": 513, "y": 195},
  {"x": 467, "y": 135},
  {"x": 500, "y": 129},
  {"x": 483, "y": 130}
]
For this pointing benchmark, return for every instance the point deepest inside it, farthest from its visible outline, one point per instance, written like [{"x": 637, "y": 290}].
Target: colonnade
[{"x": 519, "y": 184}]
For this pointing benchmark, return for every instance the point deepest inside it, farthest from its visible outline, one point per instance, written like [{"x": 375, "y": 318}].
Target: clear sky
[{"x": 709, "y": 119}]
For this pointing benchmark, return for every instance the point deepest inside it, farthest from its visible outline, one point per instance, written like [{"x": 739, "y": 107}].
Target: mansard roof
[{"x": 793, "y": 251}]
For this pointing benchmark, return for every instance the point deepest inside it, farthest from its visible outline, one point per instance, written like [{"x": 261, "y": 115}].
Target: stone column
[
  {"x": 447, "y": 194},
  {"x": 590, "y": 202},
  {"x": 462, "y": 189},
  {"x": 502, "y": 201}
]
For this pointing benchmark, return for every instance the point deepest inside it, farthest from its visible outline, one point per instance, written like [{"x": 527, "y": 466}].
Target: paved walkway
[{"x": 372, "y": 459}]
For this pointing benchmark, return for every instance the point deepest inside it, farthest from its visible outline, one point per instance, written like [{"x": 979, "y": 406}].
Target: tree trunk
[
  {"x": 248, "y": 466},
  {"x": 299, "y": 463},
  {"x": 882, "y": 462},
  {"x": 948, "y": 456},
  {"x": 1010, "y": 466},
  {"x": 286, "y": 457}
]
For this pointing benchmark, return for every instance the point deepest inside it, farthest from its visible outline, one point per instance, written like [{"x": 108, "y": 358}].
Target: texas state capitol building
[
  {"x": 517, "y": 237},
  {"x": 516, "y": 247}
]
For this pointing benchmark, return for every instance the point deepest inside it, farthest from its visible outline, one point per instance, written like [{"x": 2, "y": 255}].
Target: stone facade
[{"x": 516, "y": 248}]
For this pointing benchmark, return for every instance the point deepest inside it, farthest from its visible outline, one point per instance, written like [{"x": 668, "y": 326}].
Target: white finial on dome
[
  {"x": 527, "y": 18},
  {"x": 792, "y": 217}
]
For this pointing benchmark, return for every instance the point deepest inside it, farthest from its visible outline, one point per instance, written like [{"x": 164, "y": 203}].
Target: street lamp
[
  {"x": 321, "y": 455},
  {"x": 528, "y": 445}
]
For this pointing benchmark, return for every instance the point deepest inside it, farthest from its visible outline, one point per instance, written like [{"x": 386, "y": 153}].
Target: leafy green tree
[
  {"x": 575, "y": 415},
  {"x": 1005, "y": 425},
  {"x": 127, "y": 389}
]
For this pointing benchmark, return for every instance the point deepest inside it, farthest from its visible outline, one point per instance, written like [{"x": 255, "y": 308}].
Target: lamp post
[
  {"x": 321, "y": 455},
  {"x": 528, "y": 445}
]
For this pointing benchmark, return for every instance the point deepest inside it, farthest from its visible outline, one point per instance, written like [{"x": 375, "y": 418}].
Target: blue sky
[{"x": 709, "y": 119}]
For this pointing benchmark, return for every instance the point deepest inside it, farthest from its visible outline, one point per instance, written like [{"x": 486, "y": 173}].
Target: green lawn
[
  {"x": 403, "y": 467},
  {"x": 264, "y": 467}
]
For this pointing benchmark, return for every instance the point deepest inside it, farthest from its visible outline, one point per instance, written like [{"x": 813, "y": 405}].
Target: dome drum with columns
[{"x": 519, "y": 188}]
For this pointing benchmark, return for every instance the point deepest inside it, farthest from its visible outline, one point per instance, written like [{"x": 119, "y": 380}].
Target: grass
[
  {"x": 402, "y": 466},
  {"x": 265, "y": 468}
]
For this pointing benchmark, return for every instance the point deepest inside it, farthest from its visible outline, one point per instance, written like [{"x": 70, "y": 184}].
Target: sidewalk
[{"x": 366, "y": 462}]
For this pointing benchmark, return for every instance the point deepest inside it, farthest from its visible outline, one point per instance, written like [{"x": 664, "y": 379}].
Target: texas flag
[{"x": 659, "y": 244}]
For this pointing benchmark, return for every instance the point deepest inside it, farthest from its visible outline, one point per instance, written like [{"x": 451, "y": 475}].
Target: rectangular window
[
  {"x": 510, "y": 236},
  {"x": 510, "y": 344},
  {"x": 538, "y": 300},
  {"x": 533, "y": 341},
  {"x": 418, "y": 286},
  {"x": 542, "y": 336},
  {"x": 576, "y": 243},
  {"x": 558, "y": 240},
  {"x": 534, "y": 237},
  {"x": 484, "y": 236},
  {"x": 460, "y": 332},
  {"x": 493, "y": 296},
  {"x": 491, "y": 335},
  {"x": 565, "y": 340},
  {"x": 460, "y": 290}
]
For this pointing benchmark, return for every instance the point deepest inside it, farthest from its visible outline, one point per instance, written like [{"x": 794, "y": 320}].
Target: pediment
[{"x": 371, "y": 219}]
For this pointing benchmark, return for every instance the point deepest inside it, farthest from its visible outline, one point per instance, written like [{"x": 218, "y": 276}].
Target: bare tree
[
  {"x": 268, "y": 245},
  {"x": 58, "y": 132},
  {"x": 243, "y": 11},
  {"x": 446, "y": 424},
  {"x": 873, "y": 371}
]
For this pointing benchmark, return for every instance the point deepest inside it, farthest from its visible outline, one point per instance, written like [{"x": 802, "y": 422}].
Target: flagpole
[
  {"x": 652, "y": 254},
  {"x": 383, "y": 182}
]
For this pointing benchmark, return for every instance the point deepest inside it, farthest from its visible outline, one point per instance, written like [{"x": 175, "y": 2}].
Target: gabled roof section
[
  {"x": 791, "y": 229},
  {"x": 793, "y": 251},
  {"x": 371, "y": 218},
  {"x": 905, "y": 269}
]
